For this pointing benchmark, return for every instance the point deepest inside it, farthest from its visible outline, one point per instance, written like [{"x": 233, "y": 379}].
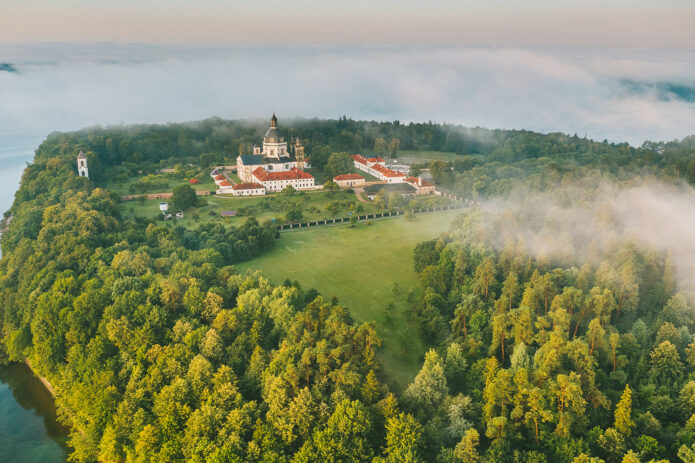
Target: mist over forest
[
  {"x": 582, "y": 223},
  {"x": 552, "y": 321}
]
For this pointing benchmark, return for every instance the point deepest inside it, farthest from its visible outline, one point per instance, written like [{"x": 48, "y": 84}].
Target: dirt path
[
  {"x": 358, "y": 193},
  {"x": 228, "y": 177}
]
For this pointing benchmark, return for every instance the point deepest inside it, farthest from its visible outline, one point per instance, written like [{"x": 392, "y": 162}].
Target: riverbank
[
  {"x": 49, "y": 387},
  {"x": 30, "y": 431}
]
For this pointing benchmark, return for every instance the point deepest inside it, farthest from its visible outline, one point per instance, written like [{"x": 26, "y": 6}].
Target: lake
[
  {"x": 15, "y": 151},
  {"x": 29, "y": 430}
]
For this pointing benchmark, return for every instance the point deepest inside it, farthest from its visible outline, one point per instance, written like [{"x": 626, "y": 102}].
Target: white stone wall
[
  {"x": 249, "y": 192},
  {"x": 279, "y": 185},
  {"x": 348, "y": 183},
  {"x": 245, "y": 173}
]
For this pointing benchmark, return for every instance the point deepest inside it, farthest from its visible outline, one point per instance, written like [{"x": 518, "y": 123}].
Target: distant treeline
[
  {"x": 490, "y": 159},
  {"x": 225, "y": 139},
  {"x": 144, "y": 148}
]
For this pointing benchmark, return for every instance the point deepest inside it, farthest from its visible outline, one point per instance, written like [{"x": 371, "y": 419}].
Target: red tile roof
[
  {"x": 378, "y": 167},
  {"x": 348, "y": 177},
  {"x": 225, "y": 183},
  {"x": 248, "y": 186},
  {"x": 292, "y": 174},
  {"x": 219, "y": 177},
  {"x": 359, "y": 158},
  {"x": 194, "y": 180},
  {"x": 419, "y": 182},
  {"x": 387, "y": 172}
]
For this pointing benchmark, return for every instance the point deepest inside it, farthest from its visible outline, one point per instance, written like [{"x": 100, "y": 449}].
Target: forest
[{"x": 161, "y": 351}]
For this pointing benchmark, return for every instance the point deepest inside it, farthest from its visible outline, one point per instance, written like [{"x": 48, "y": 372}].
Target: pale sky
[{"x": 610, "y": 23}]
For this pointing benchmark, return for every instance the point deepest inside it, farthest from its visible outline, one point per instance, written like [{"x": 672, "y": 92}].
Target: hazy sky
[{"x": 623, "y": 23}]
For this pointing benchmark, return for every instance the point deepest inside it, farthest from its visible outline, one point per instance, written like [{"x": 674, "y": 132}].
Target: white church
[{"x": 274, "y": 166}]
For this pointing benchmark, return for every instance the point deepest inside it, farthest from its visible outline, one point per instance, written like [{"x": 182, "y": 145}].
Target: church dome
[{"x": 273, "y": 135}]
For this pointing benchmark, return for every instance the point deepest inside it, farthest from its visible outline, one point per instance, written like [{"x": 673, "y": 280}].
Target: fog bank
[
  {"x": 575, "y": 226},
  {"x": 620, "y": 94}
]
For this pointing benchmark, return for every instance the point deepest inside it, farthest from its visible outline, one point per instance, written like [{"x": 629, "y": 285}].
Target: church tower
[
  {"x": 82, "y": 165},
  {"x": 274, "y": 144},
  {"x": 299, "y": 153}
]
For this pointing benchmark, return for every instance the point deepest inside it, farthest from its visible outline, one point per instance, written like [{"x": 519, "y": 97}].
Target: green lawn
[
  {"x": 419, "y": 156},
  {"x": 274, "y": 206},
  {"x": 205, "y": 184},
  {"x": 233, "y": 176},
  {"x": 165, "y": 182},
  {"x": 360, "y": 266}
]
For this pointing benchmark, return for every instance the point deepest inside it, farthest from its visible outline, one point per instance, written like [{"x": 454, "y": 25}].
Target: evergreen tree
[
  {"x": 623, "y": 412},
  {"x": 467, "y": 450},
  {"x": 428, "y": 389}
]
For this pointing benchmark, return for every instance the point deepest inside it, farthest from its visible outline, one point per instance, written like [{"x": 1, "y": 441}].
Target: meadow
[
  {"x": 160, "y": 183},
  {"x": 409, "y": 156},
  {"x": 369, "y": 268},
  {"x": 314, "y": 206}
]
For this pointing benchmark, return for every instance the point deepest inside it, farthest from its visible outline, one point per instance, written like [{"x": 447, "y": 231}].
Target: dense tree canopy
[
  {"x": 560, "y": 373},
  {"x": 161, "y": 351}
]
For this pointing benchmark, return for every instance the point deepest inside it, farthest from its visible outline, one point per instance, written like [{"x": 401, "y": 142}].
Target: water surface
[
  {"x": 29, "y": 429},
  {"x": 15, "y": 151}
]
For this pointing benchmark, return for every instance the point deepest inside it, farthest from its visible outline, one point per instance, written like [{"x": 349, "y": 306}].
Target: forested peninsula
[{"x": 547, "y": 340}]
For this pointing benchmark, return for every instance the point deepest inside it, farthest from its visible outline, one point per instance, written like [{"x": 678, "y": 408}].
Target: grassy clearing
[
  {"x": 360, "y": 266},
  {"x": 420, "y": 156},
  {"x": 314, "y": 206},
  {"x": 233, "y": 176},
  {"x": 160, "y": 183}
]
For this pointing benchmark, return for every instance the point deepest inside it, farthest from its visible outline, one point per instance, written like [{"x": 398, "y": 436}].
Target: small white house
[{"x": 349, "y": 180}]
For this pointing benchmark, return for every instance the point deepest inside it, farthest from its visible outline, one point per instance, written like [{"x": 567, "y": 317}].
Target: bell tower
[
  {"x": 82, "y": 165},
  {"x": 299, "y": 153}
]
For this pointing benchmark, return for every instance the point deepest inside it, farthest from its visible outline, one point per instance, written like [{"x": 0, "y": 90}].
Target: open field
[
  {"x": 161, "y": 183},
  {"x": 360, "y": 266},
  {"x": 314, "y": 206},
  {"x": 420, "y": 156}
]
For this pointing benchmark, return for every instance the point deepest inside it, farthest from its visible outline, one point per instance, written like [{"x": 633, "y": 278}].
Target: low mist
[
  {"x": 620, "y": 95},
  {"x": 576, "y": 225}
]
